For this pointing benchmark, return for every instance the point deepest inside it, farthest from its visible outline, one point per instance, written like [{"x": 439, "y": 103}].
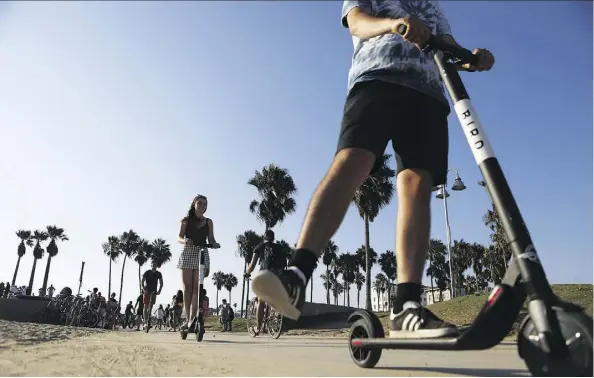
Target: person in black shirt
[
  {"x": 128, "y": 312},
  {"x": 271, "y": 256},
  {"x": 150, "y": 279}
]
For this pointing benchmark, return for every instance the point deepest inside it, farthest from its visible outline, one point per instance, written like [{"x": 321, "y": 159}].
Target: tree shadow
[{"x": 476, "y": 372}]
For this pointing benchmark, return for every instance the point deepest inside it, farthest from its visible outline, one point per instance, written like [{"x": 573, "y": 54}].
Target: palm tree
[
  {"x": 481, "y": 275},
  {"x": 276, "y": 189},
  {"x": 349, "y": 267},
  {"x": 387, "y": 262},
  {"x": 491, "y": 220},
  {"x": 229, "y": 283},
  {"x": 375, "y": 193},
  {"x": 246, "y": 243},
  {"x": 329, "y": 255},
  {"x": 379, "y": 284},
  {"x": 218, "y": 279},
  {"x": 39, "y": 237},
  {"x": 112, "y": 250},
  {"x": 359, "y": 281},
  {"x": 26, "y": 240},
  {"x": 461, "y": 261},
  {"x": 326, "y": 283},
  {"x": 54, "y": 233},
  {"x": 129, "y": 242},
  {"x": 160, "y": 252},
  {"x": 437, "y": 251},
  {"x": 366, "y": 257},
  {"x": 143, "y": 254},
  {"x": 337, "y": 289}
]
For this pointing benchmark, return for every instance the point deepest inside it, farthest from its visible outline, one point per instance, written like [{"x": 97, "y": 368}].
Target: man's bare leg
[
  {"x": 332, "y": 198},
  {"x": 285, "y": 291},
  {"x": 412, "y": 232}
]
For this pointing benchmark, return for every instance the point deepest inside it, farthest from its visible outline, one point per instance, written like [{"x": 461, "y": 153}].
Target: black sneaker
[
  {"x": 416, "y": 322},
  {"x": 284, "y": 291}
]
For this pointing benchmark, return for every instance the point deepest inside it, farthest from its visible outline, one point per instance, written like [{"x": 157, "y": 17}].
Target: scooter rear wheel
[
  {"x": 576, "y": 328},
  {"x": 363, "y": 329},
  {"x": 199, "y": 332}
]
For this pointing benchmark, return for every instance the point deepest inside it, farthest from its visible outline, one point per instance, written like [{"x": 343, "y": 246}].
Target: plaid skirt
[{"x": 190, "y": 258}]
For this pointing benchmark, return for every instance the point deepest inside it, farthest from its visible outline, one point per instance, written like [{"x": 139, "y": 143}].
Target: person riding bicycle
[
  {"x": 128, "y": 311},
  {"x": 395, "y": 94},
  {"x": 139, "y": 307},
  {"x": 150, "y": 279},
  {"x": 271, "y": 256}
]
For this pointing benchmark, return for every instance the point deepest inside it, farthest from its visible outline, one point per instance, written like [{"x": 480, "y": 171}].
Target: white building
[{"x": 426, "y": 297}]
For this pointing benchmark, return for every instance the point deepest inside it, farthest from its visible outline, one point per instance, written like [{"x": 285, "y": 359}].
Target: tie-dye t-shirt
[{"x": 389, "y": 57}]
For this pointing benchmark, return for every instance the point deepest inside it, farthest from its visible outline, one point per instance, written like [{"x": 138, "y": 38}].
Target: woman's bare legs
[{"x": 188, "y": 291}]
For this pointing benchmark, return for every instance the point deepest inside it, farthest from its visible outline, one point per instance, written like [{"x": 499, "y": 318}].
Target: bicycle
[{"x": 272, "y": 322}]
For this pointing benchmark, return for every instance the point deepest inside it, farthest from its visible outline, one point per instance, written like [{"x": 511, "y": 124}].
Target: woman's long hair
[{"x": 191, "y": 213}]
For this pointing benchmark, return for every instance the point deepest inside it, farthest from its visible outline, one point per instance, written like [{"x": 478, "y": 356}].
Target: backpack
[{"x": 231, "y": 315}]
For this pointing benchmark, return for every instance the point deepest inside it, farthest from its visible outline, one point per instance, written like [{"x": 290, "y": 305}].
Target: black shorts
[{"x": 377, "y": 112}]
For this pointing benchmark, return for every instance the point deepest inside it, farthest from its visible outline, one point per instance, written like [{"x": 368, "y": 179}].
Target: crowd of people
[{"x": 7, "y": 290}]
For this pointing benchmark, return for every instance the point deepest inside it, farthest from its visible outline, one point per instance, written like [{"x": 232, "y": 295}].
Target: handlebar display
[
  {"x": 208, "y": 245},
  {"x": 459, "y": 54}
]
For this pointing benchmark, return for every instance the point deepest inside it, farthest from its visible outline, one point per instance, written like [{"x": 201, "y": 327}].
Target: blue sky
[{"x": 114, "y": 115}]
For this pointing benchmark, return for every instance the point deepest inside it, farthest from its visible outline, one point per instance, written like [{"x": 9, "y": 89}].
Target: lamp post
[{"x": 443, "y": 194}]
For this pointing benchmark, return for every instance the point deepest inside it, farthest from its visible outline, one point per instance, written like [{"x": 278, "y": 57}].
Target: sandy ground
[{"x": 34, "y": 350}]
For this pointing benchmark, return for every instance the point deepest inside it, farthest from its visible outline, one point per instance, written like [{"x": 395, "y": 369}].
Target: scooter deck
[{"x": 393, "y": 343}]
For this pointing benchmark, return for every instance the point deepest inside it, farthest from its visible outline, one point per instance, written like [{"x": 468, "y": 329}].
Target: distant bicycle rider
[{"x": 272, "y": 257}]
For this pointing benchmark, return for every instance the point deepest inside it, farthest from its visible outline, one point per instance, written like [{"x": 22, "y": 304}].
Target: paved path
[{"x": 165, "y": 354}]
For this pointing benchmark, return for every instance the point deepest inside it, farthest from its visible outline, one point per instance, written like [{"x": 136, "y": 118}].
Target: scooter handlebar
[
  {"x": 208, "y": 245},
  {"x": 435, "y": 43}
]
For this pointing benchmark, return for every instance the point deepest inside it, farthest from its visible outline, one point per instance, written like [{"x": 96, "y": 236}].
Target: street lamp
[{"x": 442, "y": 193}]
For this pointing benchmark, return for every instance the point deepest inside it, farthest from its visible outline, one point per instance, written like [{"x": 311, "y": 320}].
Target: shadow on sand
[{"x": 463, "y": 371}]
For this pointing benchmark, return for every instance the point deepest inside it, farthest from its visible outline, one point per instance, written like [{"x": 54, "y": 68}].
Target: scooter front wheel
[
  {"x": 363, "y": 329},
  {"x": 576, "y": 328}
]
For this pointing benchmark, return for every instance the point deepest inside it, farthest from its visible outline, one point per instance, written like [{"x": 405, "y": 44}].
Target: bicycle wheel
[
  {"x": 252, "y": 324},
  {"x": 275, "y": 325}
]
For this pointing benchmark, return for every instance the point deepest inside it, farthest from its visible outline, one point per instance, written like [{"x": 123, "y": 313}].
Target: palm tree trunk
[
  {"x": 349, "y": 296},
  {"x": 139, "y": 279},
  {"x": 242, "y": 290},
  {"x": 109, "y": 285},
  {"x": 122, "y": 279},
  {"x": 358, "y": 296},
  {"x": 327, "y": 284},
  {"x": 229, "y": 296},
  {"x": 30, "y": 289},
  {"x": 46, "y": 276},
  {"x": 16, "y": 270},
  {"x": 311, "y": 289},
  {"x": 217, "y": 299},
  {"x": 367, "y": 266}
]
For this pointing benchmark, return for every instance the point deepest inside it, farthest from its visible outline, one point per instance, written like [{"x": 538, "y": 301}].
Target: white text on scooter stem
[{"x": 472, "y": 130}]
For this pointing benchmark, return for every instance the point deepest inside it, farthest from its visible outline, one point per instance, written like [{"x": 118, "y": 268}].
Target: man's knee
[
  {"x": 356, "y": 163},
  {"x": 415, "y": 184}
]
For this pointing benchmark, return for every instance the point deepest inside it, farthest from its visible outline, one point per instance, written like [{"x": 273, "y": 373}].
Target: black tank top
[{"x": 195, "y": 233}]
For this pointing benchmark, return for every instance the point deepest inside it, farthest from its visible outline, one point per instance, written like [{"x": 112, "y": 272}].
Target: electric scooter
[
  {"x": 197, "y": 324},
  {"x": 555, "y": 338}
]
